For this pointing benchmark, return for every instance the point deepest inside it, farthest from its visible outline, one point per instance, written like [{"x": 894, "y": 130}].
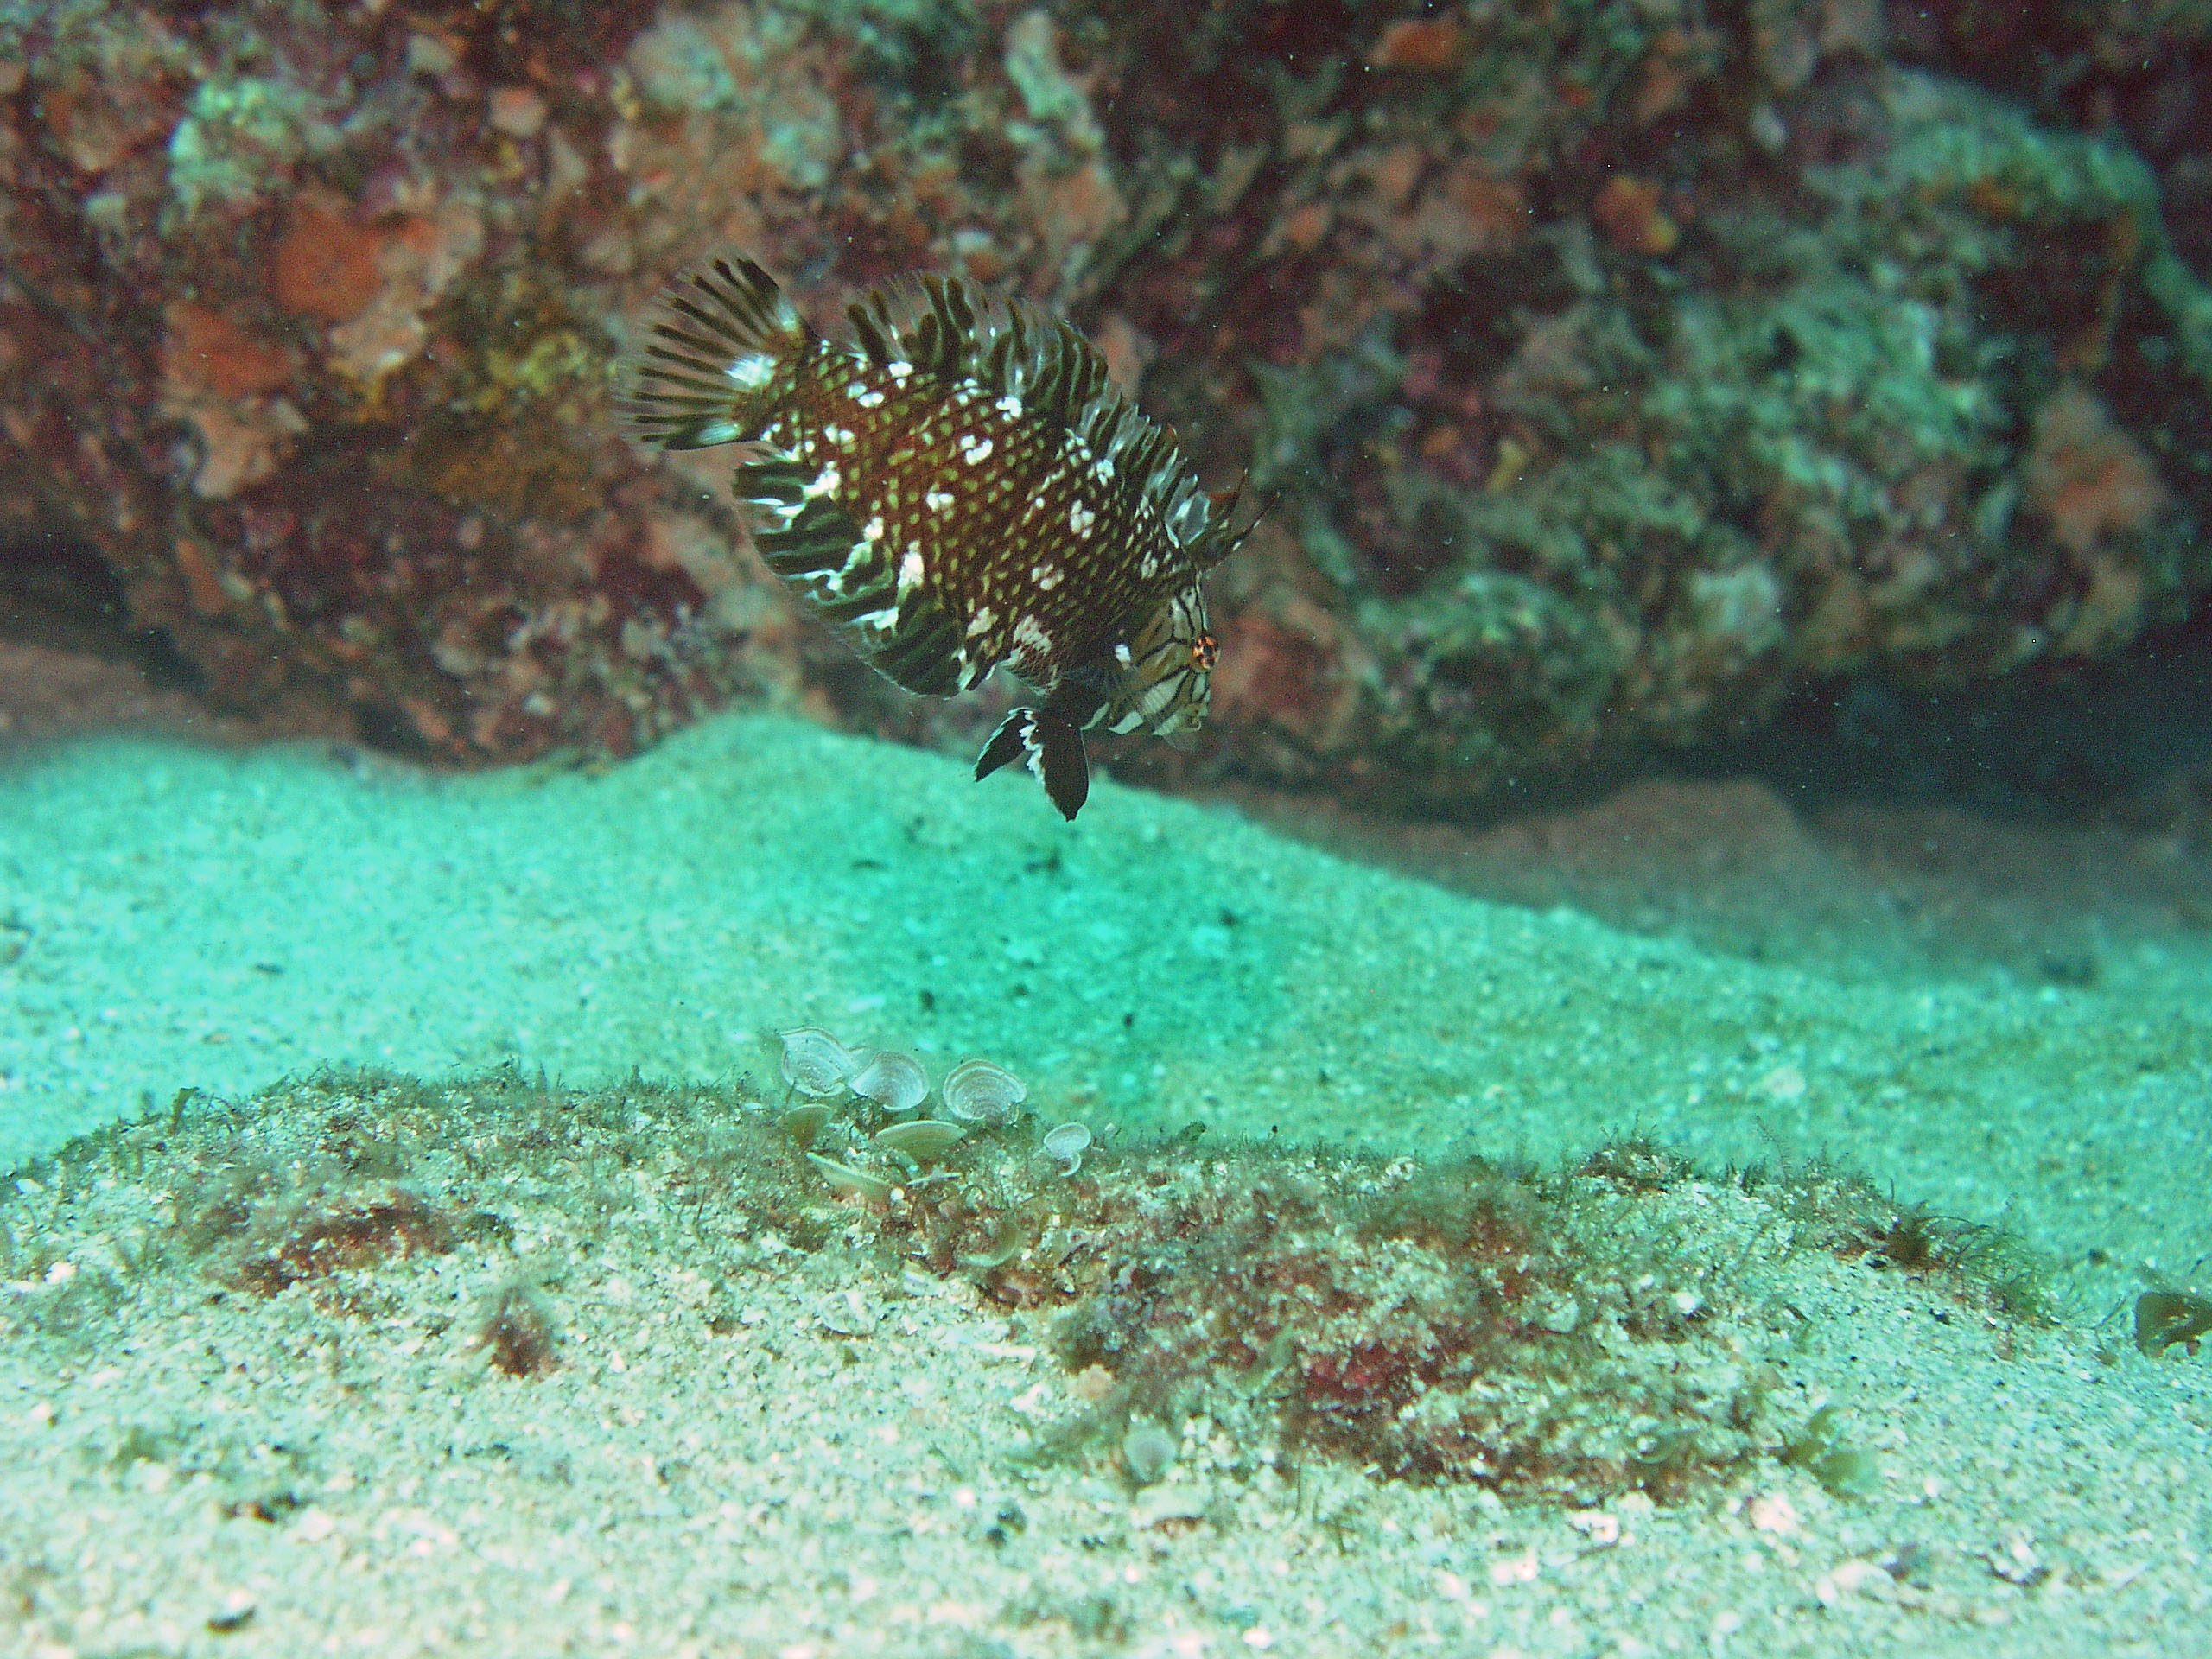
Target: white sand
[{"x": 178, "y": 918}]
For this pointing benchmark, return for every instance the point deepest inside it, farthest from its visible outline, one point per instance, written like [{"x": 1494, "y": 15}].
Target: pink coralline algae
[{"x": 1616, "y": 370}]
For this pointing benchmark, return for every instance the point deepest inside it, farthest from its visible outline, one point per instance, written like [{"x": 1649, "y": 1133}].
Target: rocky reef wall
[{"x": 1617, "y": 366}]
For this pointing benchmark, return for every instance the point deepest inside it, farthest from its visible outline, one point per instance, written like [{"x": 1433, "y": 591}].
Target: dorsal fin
[{"x": 955, "y": 330}]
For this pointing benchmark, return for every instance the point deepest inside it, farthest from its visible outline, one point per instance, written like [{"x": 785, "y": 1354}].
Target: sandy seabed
[{"x": 817, "y": 1449}]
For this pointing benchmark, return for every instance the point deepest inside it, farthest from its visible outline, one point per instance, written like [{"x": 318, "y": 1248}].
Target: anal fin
[{"x": 1050, "y": 745}]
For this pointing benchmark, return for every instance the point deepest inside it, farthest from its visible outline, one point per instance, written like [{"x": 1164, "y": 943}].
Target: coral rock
[{"x": 1614, "y": 381}]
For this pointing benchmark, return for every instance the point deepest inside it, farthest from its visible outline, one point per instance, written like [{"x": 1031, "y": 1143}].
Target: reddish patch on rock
[
  {"x": 205, "y": 348},
  {"x": 1420, "y": 44},
  {"x": 203, "y": 587},
  {"x": 326, "y": 266},
  {"x": 1627, "y": 210},
  {"x": 1497, "y": 209},
  {"x": 1268, "y": 673},
  {"x": 2086, "y": 475}
]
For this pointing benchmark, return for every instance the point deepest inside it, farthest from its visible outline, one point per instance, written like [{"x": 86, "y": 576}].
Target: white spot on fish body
[
  {"x": 1102, "y": 469},
  {"x": 978, "y": 449},
  {"x": 825, "y": 482},
  {"x": 982, "y": 622},
  {"x": 867, "y": 399},
  {"x": 1010, "y": 404},
  {"x": 1045, "y": 576},
  {"x": 1121, "y": 654},
  {"x": 839, "y": 435},
  {"x": 1081, "y": 518},
  {"x": 1029, "y": 635},
  {"x": 909, "y": 568},
  {"x": 873, "y": 531},
  {"x": 936, "y": 500},
  {"x": 898, "y": 369}
]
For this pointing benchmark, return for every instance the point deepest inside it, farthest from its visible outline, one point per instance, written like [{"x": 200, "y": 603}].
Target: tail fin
[
  {"x": 1052, "y": 746},
  {"x": 725, "y": 332}
]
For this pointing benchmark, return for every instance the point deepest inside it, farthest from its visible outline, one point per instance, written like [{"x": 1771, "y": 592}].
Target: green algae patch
[{"x": 1623, "y": 1322}]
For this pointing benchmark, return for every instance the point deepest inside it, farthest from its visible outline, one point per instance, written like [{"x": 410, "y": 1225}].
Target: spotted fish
[{"x": 956, "y": 487}]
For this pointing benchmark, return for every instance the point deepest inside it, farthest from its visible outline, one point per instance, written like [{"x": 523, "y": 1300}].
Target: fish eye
[{"x": 1205, "y": 651}]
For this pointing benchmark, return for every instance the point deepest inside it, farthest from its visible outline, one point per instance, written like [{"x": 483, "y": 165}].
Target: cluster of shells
[{"x": 823, "y": 1071}]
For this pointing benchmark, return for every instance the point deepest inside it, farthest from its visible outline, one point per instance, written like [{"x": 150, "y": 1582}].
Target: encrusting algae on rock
[{"x": 958, "y": 488}]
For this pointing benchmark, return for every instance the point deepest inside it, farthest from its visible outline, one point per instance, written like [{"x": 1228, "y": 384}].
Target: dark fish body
[{"x": 959, "y": 487}]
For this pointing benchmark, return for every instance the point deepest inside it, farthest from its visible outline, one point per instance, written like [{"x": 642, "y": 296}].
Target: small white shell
[
  {"x": 894, "y": 1081},
  {"x": 1071, "y": 1142},
  {"x": 852, "y": 1183},
  {"x": 1148, "y": 1452},
  {"x": 976, "y": 1091},
  {"x": 923, "y": 1140},
  {"x": 815, "y": 1062}
]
